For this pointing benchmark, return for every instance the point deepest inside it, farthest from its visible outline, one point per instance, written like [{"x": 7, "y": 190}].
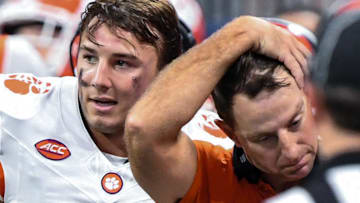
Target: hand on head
[{"x": 276, "y": 42}]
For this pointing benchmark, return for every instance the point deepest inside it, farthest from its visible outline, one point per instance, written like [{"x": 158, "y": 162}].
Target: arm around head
[{"x": 163, "y": 160}]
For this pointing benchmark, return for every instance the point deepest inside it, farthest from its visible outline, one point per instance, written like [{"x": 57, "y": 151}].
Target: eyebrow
[
  {"x": 119, "y": 55},
  {"x": 88, "y": 49},
  {"x": 122, "y": 55}
]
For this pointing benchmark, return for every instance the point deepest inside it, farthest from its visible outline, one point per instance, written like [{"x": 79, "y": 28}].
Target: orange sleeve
[
  {"x": 198, "y": 180},
  {"x": 2, "y": 182},
  {"x": 213, "y": 165}
]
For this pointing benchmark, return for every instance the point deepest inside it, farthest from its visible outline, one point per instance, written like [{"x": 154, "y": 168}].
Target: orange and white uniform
[
  {"x": 203, "y": 127},
  {"x": 46, "y": 153},
  {"x": 215, "y": 180}
]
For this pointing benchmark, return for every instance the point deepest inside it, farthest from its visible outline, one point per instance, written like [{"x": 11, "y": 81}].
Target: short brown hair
[
  {"x": 249, "y": 75},
  {"x": 139, "y": 17}
]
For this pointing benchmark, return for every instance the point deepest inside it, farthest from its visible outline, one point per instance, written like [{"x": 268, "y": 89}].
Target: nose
[
  {"x": 289, "y": 146},
  {"x": 102, "y": 80}
]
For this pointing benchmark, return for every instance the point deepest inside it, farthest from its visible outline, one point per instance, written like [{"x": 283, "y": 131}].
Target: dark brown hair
[
  {"x": 146, "y": 19},
  {"x": 249, "y": 75}
]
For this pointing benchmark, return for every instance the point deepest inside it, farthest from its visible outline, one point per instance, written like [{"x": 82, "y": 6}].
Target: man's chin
[
  {"x": 106, "y": 128},
  {"x": 298, "y": 174}
]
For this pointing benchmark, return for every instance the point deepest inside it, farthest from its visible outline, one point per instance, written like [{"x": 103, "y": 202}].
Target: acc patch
[
  {"x": 111, "y": 183},
  {"x": 52, "y": 149}
]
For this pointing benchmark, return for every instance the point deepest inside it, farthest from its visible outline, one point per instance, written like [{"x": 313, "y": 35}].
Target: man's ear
[{"x": 229, "y": 131}]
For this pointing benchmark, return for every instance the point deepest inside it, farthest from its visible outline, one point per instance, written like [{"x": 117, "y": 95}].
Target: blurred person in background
[
  {"x": 335, "y": 90},
  {"x": 191, "y": 13},
  {"x": 306, "y": 15},
  {"x": 36, "y": 34}
]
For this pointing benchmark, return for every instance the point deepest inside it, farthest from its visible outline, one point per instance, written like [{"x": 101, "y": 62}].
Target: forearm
[{"x": 152, "y": 129}]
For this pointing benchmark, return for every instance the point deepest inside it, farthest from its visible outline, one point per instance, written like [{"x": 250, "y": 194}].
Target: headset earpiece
[
  {"x": 73, "y": 58},
  {"x": 187, "y": 37}
]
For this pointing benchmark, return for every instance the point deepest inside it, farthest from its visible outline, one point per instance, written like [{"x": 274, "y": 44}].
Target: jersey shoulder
[{"x": 24, "y": 94}]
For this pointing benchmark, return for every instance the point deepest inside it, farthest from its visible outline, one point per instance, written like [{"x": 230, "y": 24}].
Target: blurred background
[
  {"x": 35, "y": 34},
  {"x": 218, "y": 12}
]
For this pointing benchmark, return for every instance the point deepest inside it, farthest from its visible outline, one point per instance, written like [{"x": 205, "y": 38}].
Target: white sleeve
[{"x": 294, "y": 195}]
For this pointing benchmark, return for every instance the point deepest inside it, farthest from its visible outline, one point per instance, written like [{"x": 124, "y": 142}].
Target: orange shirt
[{"x": 215, "y": 180}]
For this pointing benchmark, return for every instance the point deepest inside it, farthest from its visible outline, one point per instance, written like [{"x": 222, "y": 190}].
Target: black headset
[
  {"x": 187, "y": 37},
  {"x": 72, "y": 63},
  {"x": 187, "y": 40}
]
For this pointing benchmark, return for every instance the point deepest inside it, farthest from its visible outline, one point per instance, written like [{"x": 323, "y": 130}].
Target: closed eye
[
  {"x": 294, "y": 126},
  {"x": 265, "y": 138}
]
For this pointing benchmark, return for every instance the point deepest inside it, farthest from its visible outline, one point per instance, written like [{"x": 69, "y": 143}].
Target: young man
[
  {"x": 62, "y": 138},
  {"x": 336, "y": 93},
  {"x": 170, "y": 167}
]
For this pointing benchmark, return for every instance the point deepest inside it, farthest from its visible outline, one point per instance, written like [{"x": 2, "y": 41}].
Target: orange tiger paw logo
[
  {"x": 112, "y": 183},
  {"x": 21, "y": 84}
]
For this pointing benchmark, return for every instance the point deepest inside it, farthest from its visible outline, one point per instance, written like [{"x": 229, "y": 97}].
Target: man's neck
[
  {"x": 111, "y": 144},
  {"x": 277, "y": 184}
]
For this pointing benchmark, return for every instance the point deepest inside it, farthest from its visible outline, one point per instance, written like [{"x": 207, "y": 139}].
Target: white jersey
[
  {"x": 203, "y": 127},
  {"x": 46, "y": 152}
]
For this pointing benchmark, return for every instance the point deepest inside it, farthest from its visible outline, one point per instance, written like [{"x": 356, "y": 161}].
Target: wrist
[
  {"x": 236, "y": 37},
  {"x": 249, "y": 33}
]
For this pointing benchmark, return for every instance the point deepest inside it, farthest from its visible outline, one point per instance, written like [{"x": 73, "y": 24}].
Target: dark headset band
[{"x": 72, "y": 65}]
